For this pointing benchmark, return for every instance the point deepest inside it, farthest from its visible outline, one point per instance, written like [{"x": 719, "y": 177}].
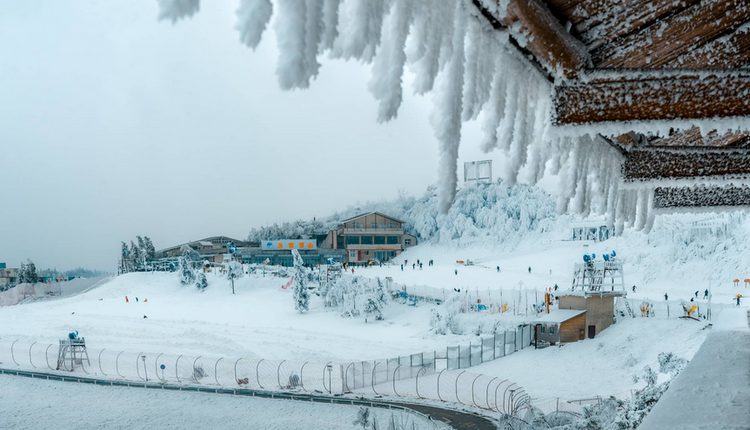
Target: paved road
[{"x": 457, "y": 419}]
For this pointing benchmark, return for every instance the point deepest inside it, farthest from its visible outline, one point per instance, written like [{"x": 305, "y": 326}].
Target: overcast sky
[{"x": 113, "y": 124}]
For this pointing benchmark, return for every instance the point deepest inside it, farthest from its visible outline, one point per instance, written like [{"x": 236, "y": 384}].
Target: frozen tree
[
  {"x": 301, "y": 293},
  {"x": 363, "y": 418},
  {"x": 186, "y": 261},
  {"x": 189, "y": 253},
  {"x": 27, "y": 273},
  {"x": 135, "y": 253},
  {"x": 149, "y": 249},
  {"x": 234, "y": 271},
  {"x": 175, "y": 10},
  {"x": 202, "y": 282},
  {"x": 438, "y": 323}
]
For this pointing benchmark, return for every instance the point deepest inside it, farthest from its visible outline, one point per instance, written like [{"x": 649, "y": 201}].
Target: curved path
[{"x": 456, "y": 419}]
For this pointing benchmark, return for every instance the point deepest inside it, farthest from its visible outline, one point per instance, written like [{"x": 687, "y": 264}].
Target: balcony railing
[{"x": 383, "y": 230}]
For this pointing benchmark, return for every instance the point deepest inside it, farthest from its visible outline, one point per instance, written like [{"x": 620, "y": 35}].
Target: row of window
[
  {"x": 372, "y": 240},
  {"x": 551, "y": 329},
  {"x": 376, "y": 226}
]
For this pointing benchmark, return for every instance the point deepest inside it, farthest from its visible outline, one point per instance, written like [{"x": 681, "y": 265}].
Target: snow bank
[{"x": 712, "y": 392}]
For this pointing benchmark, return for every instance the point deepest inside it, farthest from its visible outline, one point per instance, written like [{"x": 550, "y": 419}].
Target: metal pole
[
  {"x": 487, "y": 393},
  {"x": 216, "y": 371},
  {"x": 373, "y": 375},
  {"x": 11, "y": 352},
  {"x": 177, "y": 367},
  {"x": 156, "y": 365},
  {"x": 30, "y": 361},
  {"x": 257, "y": 374},
  {"x": 497, "y": 388},
  {"x": 278, "y": 373},
  {"x": 235, "y": 371},
  {"x": 417, "y": 384},
  {"x": 472, "y": 391},
  {"x": 438, "y": 384},
  {"x": 301, "y": 381},
  {"x": 194, "y": 375},
  {"x": 457, "y": 378},
  {"x": 324, "y": 376},
  {"x": 117, "y": 364},
  {"x": 394, "y": 380},
  {"x": 46, "y": 356},
  {"x": 137, "y": 370}
]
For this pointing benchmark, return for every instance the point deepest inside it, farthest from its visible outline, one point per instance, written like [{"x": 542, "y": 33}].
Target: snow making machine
[{"x": 72, "y": 352}]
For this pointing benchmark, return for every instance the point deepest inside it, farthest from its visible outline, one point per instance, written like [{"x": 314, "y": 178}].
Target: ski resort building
[
  {"x": 370, "y": 236},
  {"x": 8, "y": 276},
  {"x": 561, "y": 326}
]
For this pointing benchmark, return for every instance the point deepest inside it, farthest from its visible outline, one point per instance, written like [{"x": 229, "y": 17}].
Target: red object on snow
[{"x": 284, "y": 287}]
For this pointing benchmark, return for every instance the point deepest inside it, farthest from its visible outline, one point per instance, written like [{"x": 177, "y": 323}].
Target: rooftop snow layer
[{"x": 559, "y": 316}]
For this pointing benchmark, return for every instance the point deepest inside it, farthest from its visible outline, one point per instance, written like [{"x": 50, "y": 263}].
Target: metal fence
[
  {"x": 648, "y": 308},
  {"x": 415, "y": 376}
]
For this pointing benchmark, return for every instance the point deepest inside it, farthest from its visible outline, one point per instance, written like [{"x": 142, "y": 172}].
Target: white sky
[{"x": 114, "y": 124}]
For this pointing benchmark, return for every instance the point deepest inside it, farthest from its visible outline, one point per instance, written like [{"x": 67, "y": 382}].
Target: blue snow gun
[
  {"x": 73, "y": 335},
  {"x": 606, "y": 257},
  {"x": 586, "y": 258}
]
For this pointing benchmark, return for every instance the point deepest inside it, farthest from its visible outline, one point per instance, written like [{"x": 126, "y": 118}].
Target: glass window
[
  {"x": 367, "y": 252},
  {"x": 543, "y": 327},
  {"x": 373, "y": 225},
  {"x": 407, "y": 241},
  {"x": 366, "y": 240},
  {"x": 551, "y": 329},
  {"x": 352, "y": 240},
  {"x": 393, "y": 240},
  {"x": 379, "y": 240},
  {"x": 352, "y": 254},
  {"x": 391, "y": 225}
]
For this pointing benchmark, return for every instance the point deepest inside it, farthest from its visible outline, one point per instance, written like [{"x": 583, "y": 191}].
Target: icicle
[
  {"x": 505, "y": 131},
  {"x": 330, "y": 24},
  {"x": 642, "y": 212},
  {"x": 495, "y": 108},
  {"x": 252, "y": 18},
  {"x": 175, "y": 10},
  {"x": 471, "y": 75},
  {"x": 651, "y": 214},
  {"x": 360, "y": 25},
  {"x": 388, "y": 67},
  {"x": 290, "y": 37},
  {"x": 446, "y": 116},
  {"x": 313, "y": 36},
  {"x": 518, "y": 146},
  {"x": 426, "y": 54}
]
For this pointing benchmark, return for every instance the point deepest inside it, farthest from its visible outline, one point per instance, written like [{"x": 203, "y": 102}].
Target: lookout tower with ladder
[{"x": 72, "y": 352}]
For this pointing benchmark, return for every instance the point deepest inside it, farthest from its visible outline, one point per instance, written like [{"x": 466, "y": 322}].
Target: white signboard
[{"x": 275, "y": 245}]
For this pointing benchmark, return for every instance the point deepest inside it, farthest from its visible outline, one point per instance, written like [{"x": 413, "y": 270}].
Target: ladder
[{"x": 627, "y": 306}]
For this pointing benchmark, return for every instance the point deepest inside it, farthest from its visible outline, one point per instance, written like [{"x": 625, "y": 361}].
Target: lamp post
[{"x": 145, "y": 372}]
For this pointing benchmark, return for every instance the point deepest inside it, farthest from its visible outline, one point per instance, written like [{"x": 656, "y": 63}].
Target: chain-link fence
[{"x": 413, "y": 376}]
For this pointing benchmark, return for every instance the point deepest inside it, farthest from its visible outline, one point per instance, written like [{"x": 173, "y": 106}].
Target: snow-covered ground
[
  {"x": 40, "y": 404},
  {"x": 258, "y": 322}
]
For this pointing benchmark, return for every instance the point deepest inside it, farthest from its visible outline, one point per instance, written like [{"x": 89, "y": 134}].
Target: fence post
[
  {"x": 46, "y": 356},
  {"x": 257, "y": 374},
  {"x": 470, "y": 354},
  {"x": 278, "y": 373},
  {"x": 497, "y": 388},
  {"x": 494, "y": 346},
  {"x": 216, "y": 371},
  {"x": 373, "y": 375},
  {"x": 11, "y": 352},
  {"x": 394, "y": 379},
  {"x": 487, "y": 393},
  {"x": 438, "y": 384},
  {"x": 117, "y": 364},
  {"x": 235, "y": 371},
  {"x": 137, "y": 370},
  {"x": 301, "y": 381},
  {"x": 176, "y": 368},
  {"x": 417, "y": 386},
  {"x": 457, "y": 378},
  {"x": 324, "y": 377},
  {"x": 472, "y": 391},
  {"x": 505, "y": 333}
]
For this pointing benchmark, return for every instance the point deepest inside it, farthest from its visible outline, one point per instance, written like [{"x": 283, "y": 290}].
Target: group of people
[{"x": 419, "y": 264}]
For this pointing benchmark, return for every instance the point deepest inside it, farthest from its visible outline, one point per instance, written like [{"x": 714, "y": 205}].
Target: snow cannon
[
  {"x": 593, "y": 256},
  {"x": 606, "y": 257},
  {"x": 586, "y": 258},
  {"x": 614, "y": 254},
  {"x": 73, "y": 335}
]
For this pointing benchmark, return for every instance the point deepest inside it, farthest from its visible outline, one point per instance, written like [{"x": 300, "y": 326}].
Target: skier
[
  {"x": 402, "y": 267},
  {"x": 705, "y": 294},
  {"x": 529, "y": 269},
  {"x": 666, "y": 297},
  {"x": 136, "y": 299},
  {"x": 413, "y": 266},
  {"x": 498, "y": 269},
  {"x": 556, "y": 287},
  {"x": 420, "y": 266},
  {"x": 739, "y": 296},
  {"x": 352, "y": 270},
  {"x": 696, "y": 294},
  {"x": 455, "y": 272},
  {"x": 634, "y": 288},
  {"x": 126, "y": 299}
]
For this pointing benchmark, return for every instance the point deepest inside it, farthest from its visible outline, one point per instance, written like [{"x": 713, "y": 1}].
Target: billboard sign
[{"x": 289, "y": 244}]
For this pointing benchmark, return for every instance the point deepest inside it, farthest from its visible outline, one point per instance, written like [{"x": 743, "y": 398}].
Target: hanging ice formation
[{"x": 468, "y": 67}]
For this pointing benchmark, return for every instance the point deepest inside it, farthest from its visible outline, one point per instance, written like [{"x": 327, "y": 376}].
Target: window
[
  {"x": 407, "y": 242},
  {"x": 367, "y": 252},
  {"x": 352, "y": 240},
  {"x": 392, "y": 240},
  {"x": 391, "y": 225},
  {"x": 551, "y": 329},
  {"x": 373, "y": 225},
  {"x": 379, "y": 240},
  {"x": 542, "y": 328},
  {"x": 352, "y": 254},
  {"x": 366, "y": 240}
]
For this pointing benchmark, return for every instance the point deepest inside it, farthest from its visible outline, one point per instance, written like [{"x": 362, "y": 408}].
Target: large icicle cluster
[{"x": 468, "y": 67}]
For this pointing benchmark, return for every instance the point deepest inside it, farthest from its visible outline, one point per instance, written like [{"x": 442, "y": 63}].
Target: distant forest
[{"x": 78, "y": 272}]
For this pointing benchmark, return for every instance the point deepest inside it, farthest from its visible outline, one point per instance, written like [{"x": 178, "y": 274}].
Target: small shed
[{"x": 565, "y": 325}]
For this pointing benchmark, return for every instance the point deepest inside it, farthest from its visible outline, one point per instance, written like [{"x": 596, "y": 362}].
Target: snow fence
[{"x": 416, "y": 376}]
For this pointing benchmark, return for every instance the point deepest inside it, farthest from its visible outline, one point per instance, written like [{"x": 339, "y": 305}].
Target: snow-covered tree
[
  {"x": 363, "y": 418},
  {"x": 27, "y": 273},
  {"x": 301, "y": 293},
  {"x": 234, "y": 271},
  {"x": 185, "y": 269},
  {"x": 202, "y": 282},
  {"x": 189, "y": 253},
  {"x": 149, "y": 249}
]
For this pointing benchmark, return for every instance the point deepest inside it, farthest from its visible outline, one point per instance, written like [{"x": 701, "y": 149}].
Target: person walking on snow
[
  {"x": 634, "y": 288},
  {"x": 739, "y": 296},
  {"x": 402, "y": 267},
  {"x": 455, "y": 272},
  {"x": 529, "y": 269},
  {"x": 666, "y": 297},
  {"x": 498, "y": 269},
  {"x": 126, "y": 299},
  {"x": 556, "y": 287},
  {"x": 413, "y": 266},
  {"x": 352, "y": 270},
  {"x": 705, "y": 294}
]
